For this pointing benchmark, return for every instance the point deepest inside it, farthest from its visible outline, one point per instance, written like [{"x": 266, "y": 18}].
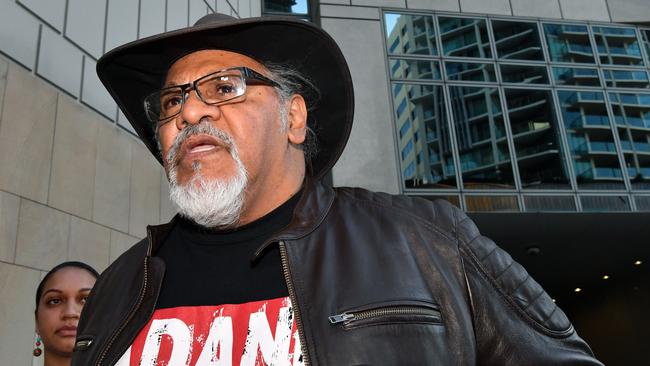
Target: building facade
[{"x": 533, "y": 116}]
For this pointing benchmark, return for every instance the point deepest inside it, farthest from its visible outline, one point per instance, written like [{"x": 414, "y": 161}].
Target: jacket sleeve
[{"x": 515, "y": 320}]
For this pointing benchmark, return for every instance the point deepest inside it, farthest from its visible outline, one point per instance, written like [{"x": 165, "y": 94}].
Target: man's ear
[{"x": 297, "y": 123}]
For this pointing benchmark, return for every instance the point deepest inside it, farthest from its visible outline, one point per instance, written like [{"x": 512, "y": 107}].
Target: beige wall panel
[
  {"x": 486, "y": 6},
  {"x": 145, "y": 191},
  {"x": 18, "y": 287},
  {"x": 585, "y": 10},
  {"x": 369, "y": 157},
  {"x": 536, "y": 8},
  {"x": 42, "y": 240},
  {"x": 446, "y": 5},
  {"x": 89, "y": 243},
  {"x": 120, "y": 242},
  {"x": 389, "y": 3},
  {"x": 629, "y": 10},
  {"x": 26, "y": 130},
  {"x": 112, "y": 177},
  {"x": 9, "y": 208},
  {"x": 340, "y": 11},
  {"x": 4, "y": 66},
  {"x": 72, "y": 184}
]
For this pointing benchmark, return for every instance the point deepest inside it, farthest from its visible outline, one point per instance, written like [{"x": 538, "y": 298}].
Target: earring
[{"x": 37, "y": 349}]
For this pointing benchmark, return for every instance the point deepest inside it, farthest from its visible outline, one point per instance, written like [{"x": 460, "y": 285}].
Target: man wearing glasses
[{"x": 265, "y": 264}]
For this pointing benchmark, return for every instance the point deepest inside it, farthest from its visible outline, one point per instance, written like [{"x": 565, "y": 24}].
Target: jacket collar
[{"x": 310, "y": 211}]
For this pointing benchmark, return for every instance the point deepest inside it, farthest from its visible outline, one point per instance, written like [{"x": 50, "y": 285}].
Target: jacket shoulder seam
[{"x": 508, "y": 300}]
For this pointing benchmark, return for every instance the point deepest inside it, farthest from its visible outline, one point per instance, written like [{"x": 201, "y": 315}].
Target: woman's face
[{"x": 57, "y": 315}]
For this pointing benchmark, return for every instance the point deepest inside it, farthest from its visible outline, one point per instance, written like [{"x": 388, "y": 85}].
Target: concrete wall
[{"x": 369, "y": 159}]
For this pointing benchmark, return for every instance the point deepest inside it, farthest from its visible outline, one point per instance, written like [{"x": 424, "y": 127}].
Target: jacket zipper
[
  {"x": 133, "y": 311},
  {"x": 349, "y": 317},
  {"x": 294, "y": 302}
]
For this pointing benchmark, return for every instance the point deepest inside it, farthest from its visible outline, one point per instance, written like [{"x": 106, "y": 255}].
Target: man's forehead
[{"x": 198, "y": 63}]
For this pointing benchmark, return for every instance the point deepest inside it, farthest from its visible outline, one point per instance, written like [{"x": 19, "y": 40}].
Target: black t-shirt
[{"x": 205, "y": 267}]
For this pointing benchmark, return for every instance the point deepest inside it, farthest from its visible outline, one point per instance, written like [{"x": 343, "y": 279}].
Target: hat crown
[{"x": 214, "y": 18}]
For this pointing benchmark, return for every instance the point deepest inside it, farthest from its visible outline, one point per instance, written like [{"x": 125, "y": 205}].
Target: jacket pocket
[{"x": 388, "y": 313}]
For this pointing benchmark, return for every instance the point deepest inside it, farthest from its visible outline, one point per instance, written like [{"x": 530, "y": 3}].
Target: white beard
[{"x": 212, "y": 203}]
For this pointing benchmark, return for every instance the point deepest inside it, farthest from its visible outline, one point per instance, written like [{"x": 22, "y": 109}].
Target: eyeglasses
[{"x": 217, "y": 88}]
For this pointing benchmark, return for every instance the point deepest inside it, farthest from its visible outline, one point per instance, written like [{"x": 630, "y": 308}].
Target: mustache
[{"x": 201, "y": 128}]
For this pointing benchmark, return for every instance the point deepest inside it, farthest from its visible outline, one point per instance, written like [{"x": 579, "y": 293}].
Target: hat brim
[{"x": 134, "y": 70}]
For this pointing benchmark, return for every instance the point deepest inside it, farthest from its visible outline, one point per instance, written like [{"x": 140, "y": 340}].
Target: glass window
[
  {"x": 536, "y": 139},
  {"x": 286, "y": 6},
  {"x": 491, "y": 203},
  {"x": 626, "y": 78},
  {"x": 454, "y": 200},
  {"x": 642, "y": 203},
  {"x": 617, "y": 46},
  {"x": 523, "y": 74},
  {"x": 433, "y": 165},
  {"x": 590, "y": 138},
  {"x": 604, "y": 203},
  {"x": 414, "y": 69},
  {"x": 517, "y": 40},
  {"x": 549, "y": 203},
  {"x": 632, "y": 115},
  {"x": 575, "y": 76},
  {"x": 480, "y": 131},
  {"x": 645, "y": 36},
  {"x": 464, "y": 37},
  {"x": 410, "y": 34},
  {"x": 568, "y": 43},
  {"x": 470, "y": 71}
]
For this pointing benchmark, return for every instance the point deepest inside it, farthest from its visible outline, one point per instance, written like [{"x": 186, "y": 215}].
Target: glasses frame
[{"x": 250, "y": 77}]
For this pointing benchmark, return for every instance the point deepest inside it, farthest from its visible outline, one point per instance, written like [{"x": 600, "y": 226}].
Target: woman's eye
[
  {"x": 84, "y": 299},
  {"x": 53, "y": 301}
]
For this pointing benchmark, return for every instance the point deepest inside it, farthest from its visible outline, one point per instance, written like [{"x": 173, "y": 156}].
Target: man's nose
[{"x": 195, "y": 110}]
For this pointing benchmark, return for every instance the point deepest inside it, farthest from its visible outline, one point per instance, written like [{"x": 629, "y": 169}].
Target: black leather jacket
[{"x": 375, "y": 279}]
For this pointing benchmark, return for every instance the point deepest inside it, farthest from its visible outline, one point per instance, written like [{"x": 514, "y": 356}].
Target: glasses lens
[
  {"x": 221, "y": 87},
  {"x": 163, "y": 104}
]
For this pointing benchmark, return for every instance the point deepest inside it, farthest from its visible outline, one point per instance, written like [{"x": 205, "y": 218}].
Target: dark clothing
[
  {"x": 375, "y": 279},
  {"x": 204, "y": 267}
]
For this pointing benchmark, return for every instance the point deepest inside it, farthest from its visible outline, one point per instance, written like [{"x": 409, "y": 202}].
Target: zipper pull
[
  {"x": 83, "y": 344},
  {"x": 340, "y": 318}
]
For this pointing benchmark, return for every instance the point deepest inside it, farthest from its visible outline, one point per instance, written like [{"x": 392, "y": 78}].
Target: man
[{"x": 267, "y": 265}]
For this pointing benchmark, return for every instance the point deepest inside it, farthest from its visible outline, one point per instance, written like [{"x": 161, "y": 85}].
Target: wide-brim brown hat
[{"x": 134, "y": 70}]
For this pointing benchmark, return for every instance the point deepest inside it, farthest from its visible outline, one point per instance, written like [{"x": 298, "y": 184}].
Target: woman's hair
[{"x": 39, "y": 290}]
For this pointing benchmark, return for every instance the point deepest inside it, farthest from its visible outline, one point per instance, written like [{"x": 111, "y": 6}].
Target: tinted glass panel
[
  {"x": 469, "y": 71},
  {"x": 464, "y": 37},
  {"x": 536, "y": 139},
  {"x": 604, "y": 203},
  {"x": 425, "y": 151},
  {"x": 491, "y": 203},
  {"x": 645, "y": 36},
  {"x": 575, "y": 76},
  {"x": 590, "y": 138},
  {"x": 618, "y": 46},
  {"x": 414, "y": 69},
  {"x": 642, "y": 203},
  {"x": 549, "y": 203},
  {"x": 481, "y": 135},
  {"x": 523, "y": 74},
  {"x": 626, "y": 78},
  {"x": 632, "y": 115},
  {"x": 410, "y": 34},
  {"x": 286, "y": 6},
  {"x": 517, "y": 40},
  {"x": 568, "y": 43}
]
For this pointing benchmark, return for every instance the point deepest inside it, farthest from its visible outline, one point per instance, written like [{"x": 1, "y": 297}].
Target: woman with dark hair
[{"x": 59, "y": 299}]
